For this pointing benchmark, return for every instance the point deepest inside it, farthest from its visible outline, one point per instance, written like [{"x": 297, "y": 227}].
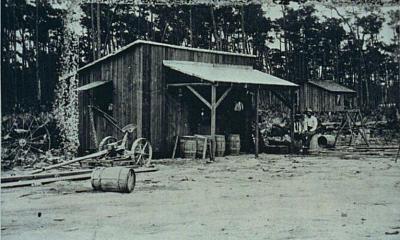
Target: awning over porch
[
  {"x": 331, "y": 86},
  {"x": 92, "y": 85},
  {"x": 221, "y": 73},
  {"x": 227, "y": 76}
]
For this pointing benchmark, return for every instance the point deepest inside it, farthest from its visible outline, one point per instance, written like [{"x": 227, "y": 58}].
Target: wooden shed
[
  {"x": 324, "y": 96},
  {"x": 165, "y": 91}
]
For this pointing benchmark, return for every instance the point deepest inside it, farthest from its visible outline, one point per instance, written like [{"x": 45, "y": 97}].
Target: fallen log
[
  {"x": 378, "y": 148},
  {"x": 43, "y": 175},
  {"x": 364, "y": 154},
  {"x": 85, "y": 176},
  {"x": 45, "y": 181},
  {"x": 93, "y": 155}
]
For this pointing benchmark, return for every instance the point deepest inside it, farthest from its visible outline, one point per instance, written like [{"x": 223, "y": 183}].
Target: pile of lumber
[
  {"x": 373, "y": 150},
  {"x": 46, "y": 178}
]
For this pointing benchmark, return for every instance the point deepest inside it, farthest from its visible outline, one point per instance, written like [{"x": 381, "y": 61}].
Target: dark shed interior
[{"x": 139, "y": 93}]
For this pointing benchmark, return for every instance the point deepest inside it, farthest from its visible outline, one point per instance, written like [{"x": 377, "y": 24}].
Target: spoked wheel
[
  {"x": 142, "y": 152},
  {"x": 25, "y": 140},
  {"x": 106, "y": 141}
]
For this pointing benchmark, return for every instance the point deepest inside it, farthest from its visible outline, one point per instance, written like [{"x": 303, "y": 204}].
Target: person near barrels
[
  {"x": 310, "y": 121},
  {"x": 299, "y": 126},
  {"x": 310, "y": 126}
]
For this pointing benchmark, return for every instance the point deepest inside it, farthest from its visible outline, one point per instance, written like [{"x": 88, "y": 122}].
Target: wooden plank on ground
[
  {"x": 93, "y": 155},
  {"x": 45, "y": 181},
  {"x": 78, "y": 177},
  {"x": 213, "y": 121},
  {"x": 175, "y": 147},
  {"x": 43, "y": 175}
]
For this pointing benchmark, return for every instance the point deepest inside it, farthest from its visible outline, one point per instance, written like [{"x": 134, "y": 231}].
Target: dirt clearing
[{"x": 273, "y": 197}]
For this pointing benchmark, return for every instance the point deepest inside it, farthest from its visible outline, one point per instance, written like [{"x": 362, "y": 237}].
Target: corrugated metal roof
[
  {"x": 137, "y": 42},
  {"x": 332, "y": 86},
  {"x": 226, "y": 73},
  {"x": 92, "y": 85}
]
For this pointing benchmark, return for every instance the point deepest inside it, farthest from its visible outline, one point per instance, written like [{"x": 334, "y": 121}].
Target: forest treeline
[{"x": 346, "y": 49}]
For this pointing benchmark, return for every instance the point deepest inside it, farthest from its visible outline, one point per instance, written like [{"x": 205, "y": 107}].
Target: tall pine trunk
[
  {"x": 244, "y": 37},
  {"x": 14, "y": 65},
  {"x": 38, "y": 81},
  {"x": 98, "y": 30},
  {"x": 216, "y": 35},
  {"x": 191, "y": 26},
  {"x": 93, "y": 30},
  {"x": 398, "y": 75}
]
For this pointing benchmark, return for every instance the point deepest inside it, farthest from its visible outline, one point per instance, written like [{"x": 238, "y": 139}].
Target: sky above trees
[{"x": 274, "y": 11}]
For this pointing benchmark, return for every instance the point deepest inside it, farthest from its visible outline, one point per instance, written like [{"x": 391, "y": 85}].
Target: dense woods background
[{"x": 345, "y": 49}]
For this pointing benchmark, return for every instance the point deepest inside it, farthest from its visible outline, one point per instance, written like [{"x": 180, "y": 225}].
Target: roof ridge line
[{"x": 137, "y": 42}]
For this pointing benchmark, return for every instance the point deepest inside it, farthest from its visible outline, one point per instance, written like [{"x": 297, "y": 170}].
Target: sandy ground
[{"x": 273, "y": 197}]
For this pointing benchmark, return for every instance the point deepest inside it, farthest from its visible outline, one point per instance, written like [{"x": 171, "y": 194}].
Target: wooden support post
[
  {"x": 205, "y": 147},
  {"x": 213, "y": 120},
  {"x": 223, "y": 96},
  {"x": 178, "y": 132},
  {"x": 92, "y": 127},
  {"x": 292, "y": 115},
  {"x": 199, "y": 96},
  {"x": 175, "y": 147},
  {"x": 343, "y": 124},
  {"x": 362, "y": 128},
  {"x": 257, "y": 127},
  {"x": 397, "y": 155}
]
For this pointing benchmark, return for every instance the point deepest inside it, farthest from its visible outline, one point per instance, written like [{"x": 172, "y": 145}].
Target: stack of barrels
[{"x": 192, "y": 146}]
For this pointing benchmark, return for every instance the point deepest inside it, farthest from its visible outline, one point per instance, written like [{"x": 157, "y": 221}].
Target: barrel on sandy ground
[
  {"x": 326, "y": 141},
  {"x": 188, "y": 146},
  {"x": 234, "y": 144},
  {"x": 220, "y": 145},
  {"x": 113, "y": 179}
]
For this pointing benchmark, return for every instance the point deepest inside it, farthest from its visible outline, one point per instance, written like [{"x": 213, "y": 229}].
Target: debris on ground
[{"x": 392, "y": 233}]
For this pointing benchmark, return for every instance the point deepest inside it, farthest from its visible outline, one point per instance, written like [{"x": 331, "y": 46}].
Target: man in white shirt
[
  {"x": 310, "y": 121},
  {"x": 310, "y": 125}
]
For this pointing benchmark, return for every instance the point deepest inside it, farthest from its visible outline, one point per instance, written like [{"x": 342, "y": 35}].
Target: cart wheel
[
  {"x": 26, "y": 137},
  {"x": 142, "y": 152},
  {"x": 105, "y": 141}
]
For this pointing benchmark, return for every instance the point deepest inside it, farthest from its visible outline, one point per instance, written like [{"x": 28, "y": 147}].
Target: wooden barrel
[
  {"x": 200, "y": 144},
  {"x": 219, "y": 145},
  {"x": 234, "y": 144},
  {"x": 188, "y": 146},
  {"x": 326, "y": 141},
  {"x": 113, "y": 179}
]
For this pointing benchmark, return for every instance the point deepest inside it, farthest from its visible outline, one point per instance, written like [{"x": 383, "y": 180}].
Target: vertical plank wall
[
  {"x": 318, "y": 99},
  {"x": 123, "y": 69},
  {"x": 161, "y": 111},
  {"x": 140, "y": 94}
]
